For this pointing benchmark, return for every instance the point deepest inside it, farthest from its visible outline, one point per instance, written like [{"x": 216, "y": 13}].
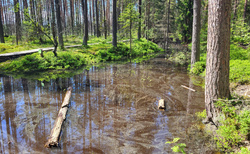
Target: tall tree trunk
[
  {"x": 72, "y": 15},
  {"x": 93, "y": 9},
  {"x": 59, "y": 24},
  {"x": 65, "y": 9},
  {"x": 18, "y": 21},
  {"x": 114, "y": 42},
  {"x": 90, "y": 14},
  {"x": 168, "y": 24},
  {"x": 245, "y": 10},
  {"x": 104, "y": 18},
  {"x": 97, "y": 19},
  {"x": 1, "y": 26},
  {"x": 85, "y": 13},
  {"x": 32, "y": 10},
  {"x": 218, "y": 49},
  {"x": 53, "y": 26},
  {"x": 139, "y": 27},
  {"x": 195, "y": 55},
  {"x": 108, "y": 17}
]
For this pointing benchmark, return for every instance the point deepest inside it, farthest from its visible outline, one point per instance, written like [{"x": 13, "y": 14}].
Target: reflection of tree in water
[{"x": 113, "y": 110}]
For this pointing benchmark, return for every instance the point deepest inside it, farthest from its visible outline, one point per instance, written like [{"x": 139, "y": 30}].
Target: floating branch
[
  {"x": 188, "y": 88},
  {"x": 55, "y": 133}
]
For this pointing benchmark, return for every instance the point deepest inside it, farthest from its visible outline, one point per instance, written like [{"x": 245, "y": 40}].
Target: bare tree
[
  {"x": 139, "y": 27},
  {"x": 195, "y": 55},
  {"x": 114, "y": 42},
  {"x": 59, "y": 24},
  {"x": 168, "y": 24},
  {"x": 104, "y": 18},
  {"x": 1, "y": 26},
  {"x": 85, "y": 14},
  {"x": 18, "y": 21},
  {"x": 97, "y": 19},
  {"x": 245, "y": 10},
  {"x": 72, "y": 15},
  {"x": 218, "y": 49}
]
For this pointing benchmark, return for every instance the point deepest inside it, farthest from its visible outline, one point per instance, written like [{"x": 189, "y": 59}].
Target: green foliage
[
  {"x": 129, "y": 17},
  {"x": 181, "y": 58},
  {"x": 140, "y": 48},
  {"x": 198, "y": 67},
  {"x": 239, "y": 65},
  {"x": 77, "y": 57},
  {"x": 240, "y": 71},
  {"x": 235, "y": 125},
  {"x": 179, "y": 147},
  {"x": 184, "y": 20},
  {"x": 240, "y": 32},
  {"x": 34, "y": 62},
  {"x": 244, "y": 150},
  {"x": 238, "y": 53},
  {"x": 201, "y": 115}
]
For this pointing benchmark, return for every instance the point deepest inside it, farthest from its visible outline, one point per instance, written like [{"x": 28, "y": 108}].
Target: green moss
[{"x": 75, "y": 58}]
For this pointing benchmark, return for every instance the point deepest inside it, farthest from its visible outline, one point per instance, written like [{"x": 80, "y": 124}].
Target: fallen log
[
  {"x": 55, "y": 133},
  {"x": 188, "y": 88}
]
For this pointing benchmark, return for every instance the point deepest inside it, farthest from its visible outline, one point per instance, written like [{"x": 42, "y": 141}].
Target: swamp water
[{"x": 112, "y": 110}]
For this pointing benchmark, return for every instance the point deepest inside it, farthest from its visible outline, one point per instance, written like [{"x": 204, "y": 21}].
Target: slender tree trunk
[
  {"x": 72, "y": 16},
  {"x": 18, "y": 21},
  {"x": 130, "y": 34},
  {"x": 90, "y": 14},
  {"x": 114, "y": 25},
  {"x": 53, "y": 26},
  {"x": 218, "y": 49},
  {"x": 93, "y": 9},
  {"x": 168, "y": 24},
  {"x": 195, "y": 55},
  {"x": 1, "y": 26},
  {"x": 108, "y": 17},
  {"x": 245, "y": 10},
  {"x": 139, "y": 27},
  {"x": 85, "y": 13},
  {"x": 104, "y": 18},
  {"x": 97, "y": 19},
  {"x": 59, "y": 24},
  {"x": 32, "y": 10}
]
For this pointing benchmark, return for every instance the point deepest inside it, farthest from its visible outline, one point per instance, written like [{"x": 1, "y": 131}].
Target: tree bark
[
  {"x": 97, "y": 19},
  {"x": 93, "y": 13},
  {"x": 139, "y": 27},
  {"x": 104, "y": 18},
  {"x": 18, "y": 21},
  {"x": 1, "y": 27},
  {"x": 53, "y": 26},
  {"x": 72, "y": 15},
  {"x": 55, "y": 133},
  {"x": 195, "y": 55},
  {"x": 245, "y": 10},
  {"x": 114, "y": 42},
  {"x": 168, "y": 24},
  {"x": 218, "y": 49},
  {"x": 85, "y": 13},
  {"x": 59, "y": 24}
]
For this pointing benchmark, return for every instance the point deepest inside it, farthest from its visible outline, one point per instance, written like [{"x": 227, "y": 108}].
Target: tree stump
[{"x": 161, "y": 104}]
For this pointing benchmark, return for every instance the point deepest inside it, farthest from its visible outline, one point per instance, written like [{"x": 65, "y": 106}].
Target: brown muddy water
[{"x": 112, "y": 110}]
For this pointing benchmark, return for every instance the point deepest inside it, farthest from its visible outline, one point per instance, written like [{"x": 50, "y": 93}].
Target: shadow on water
[{"x": 113, "y": 110}]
